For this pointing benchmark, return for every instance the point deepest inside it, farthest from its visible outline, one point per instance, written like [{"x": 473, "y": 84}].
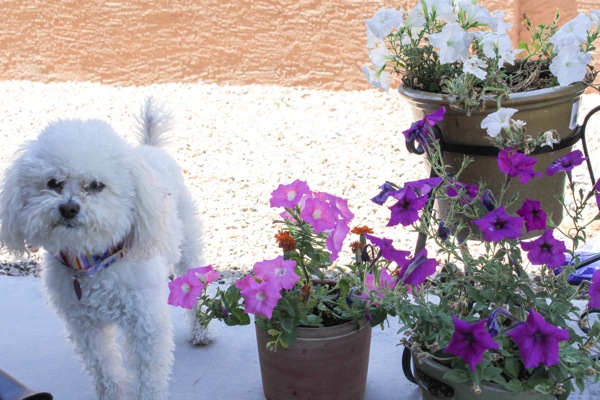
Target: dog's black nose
[{"x": 69, "y": 210}]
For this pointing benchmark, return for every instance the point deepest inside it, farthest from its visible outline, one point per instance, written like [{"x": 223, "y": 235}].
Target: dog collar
[{"x": 87, "y": 263}]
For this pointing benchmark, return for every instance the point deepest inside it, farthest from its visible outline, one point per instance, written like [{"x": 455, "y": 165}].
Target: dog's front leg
[
  {"x": 95, "y": 343},
  {"x": 150, "y": 344}
]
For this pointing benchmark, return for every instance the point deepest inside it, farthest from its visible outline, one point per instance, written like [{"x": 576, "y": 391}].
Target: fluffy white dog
[{"x": 112, "y": 220}]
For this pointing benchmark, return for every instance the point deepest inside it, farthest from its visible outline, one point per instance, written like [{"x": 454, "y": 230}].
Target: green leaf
[
  {"x": 457, "y": 375},
  {"x": 543, "y": 388},
  {"x": 523, "y": 46},
  {"x": 287, "y": 324},
  {"x": 511, "y": 366},
  {"x": 514, "y": 385},
  {"x": 490, "y": 373}
]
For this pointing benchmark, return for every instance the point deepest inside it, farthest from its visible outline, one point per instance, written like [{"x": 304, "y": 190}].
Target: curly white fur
[{"x": 117, "y": 194}]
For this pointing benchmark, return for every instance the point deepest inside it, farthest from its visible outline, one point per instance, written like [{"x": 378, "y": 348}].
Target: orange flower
[
  {"x": 356, "y": 245},
  {"x": 361, "y": 229},
  {"x": 285, "y": 241}
]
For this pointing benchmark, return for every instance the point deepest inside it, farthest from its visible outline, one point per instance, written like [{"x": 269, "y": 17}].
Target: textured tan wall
[{"x": 311, "y": 43}]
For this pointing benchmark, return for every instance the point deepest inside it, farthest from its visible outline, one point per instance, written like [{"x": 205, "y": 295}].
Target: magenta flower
[
  {"x": 498, "y": 225},
  {"x": 538, "y": 340},
  {"x": 335, "y": 241},
  {"x": 535, "y": 218},
  {"x": 385, "y": 282},
  {"x": 470, "y": 341},
  {"x": 260, "y": 298},
  {"x": 289, "y": 195},
  {"x": 415, "y": 271},
  {"x": 388, "y": 251},
  {"x": 406, "y": 210},
  {"x": 566, "y": 162},
  {"x": 244, "y": 282},
  {"x": 205, "y": 274},
  {"x": 419, "y": 130},
  {"x": 594, "y": 291},
  {"x": 319, "y": 214},
  {"x": 546, "y": 250},
  {"x": 280, "y": 272},
  {"x": 184, "y": 291},
  {"x": 513, "y": 163}
]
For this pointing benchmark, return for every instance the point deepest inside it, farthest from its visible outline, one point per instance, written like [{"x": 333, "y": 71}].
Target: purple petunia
[
  {"x": 566, "y": 163},
  {"x": 420, "y": 130},
  {"x": 546, "y": 250},
  {"x": 466, "y": 190},
  {"x": 406, "y": 210},
  {"x": 594, "y": 291},
  {"x": 533, "y": 214},
  {"x": 515, "y": 164},
  {"x": 388, "y": 251},
  {"x": 385, "y": 191},
  {"x": 470, "y": 341},
  {"x": 497, "y": 225},
  {"x": 538, "y": 341},
  {"x": 415, "y": 271}
]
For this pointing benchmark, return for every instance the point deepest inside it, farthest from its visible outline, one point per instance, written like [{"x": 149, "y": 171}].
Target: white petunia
[
  {"x": 443, "y": 9},
  {"x": 573, "y": 33},
  {"x": 384, "y": 22},
  {"x": 477, "y": 13},
  {"x": 372, "y": 40},
  {"x": 497, "y": 121},
  {"x": 550, "y": 138},
  {"x": 379, "y": 56},
  {"x": 476, "y": 67},
  {"x": 379, "y": 79},
  {"x": 453, "y": 43},
  {"x": 499, "y": 25},
  {"x": 570, "y": 65}
]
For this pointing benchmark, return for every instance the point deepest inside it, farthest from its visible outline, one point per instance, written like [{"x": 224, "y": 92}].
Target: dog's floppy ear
[
  {"x": 148, "y": 235},
  {"x": 12, "y": 205}
]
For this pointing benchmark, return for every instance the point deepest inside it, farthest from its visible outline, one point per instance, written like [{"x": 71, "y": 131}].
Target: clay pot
[{"x": 323, "y": 363}]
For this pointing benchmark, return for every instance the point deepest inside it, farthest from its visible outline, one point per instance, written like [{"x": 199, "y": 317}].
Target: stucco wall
[{"x": 311, "y": 43}]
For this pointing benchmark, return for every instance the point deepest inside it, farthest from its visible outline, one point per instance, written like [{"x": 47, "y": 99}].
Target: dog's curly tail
[{"x": 155, "y": 121}]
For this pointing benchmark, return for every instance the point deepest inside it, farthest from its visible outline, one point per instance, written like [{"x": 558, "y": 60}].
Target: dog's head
[{"x": 80, "y": 187}]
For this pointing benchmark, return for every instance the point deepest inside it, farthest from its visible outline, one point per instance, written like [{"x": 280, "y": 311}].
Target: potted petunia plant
[
  {"x": 459, "y": 55},
  {"x": 499, "y": 318},
  {"x": 311, "y": 304},
  {"x": 462, "y": 49}
]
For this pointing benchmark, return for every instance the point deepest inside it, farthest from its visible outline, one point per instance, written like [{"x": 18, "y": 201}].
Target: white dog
[{"x": 112, "y": 219}]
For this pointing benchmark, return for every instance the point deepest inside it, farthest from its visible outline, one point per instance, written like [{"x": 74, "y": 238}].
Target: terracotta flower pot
[
  {"x": 542, "y": 110},
  {"x": 323, "y": 363},
  {"x": 429, "y": 374}
]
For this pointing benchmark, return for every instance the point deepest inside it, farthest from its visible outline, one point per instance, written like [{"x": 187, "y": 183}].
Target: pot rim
[{"x": 513, "y": 99}]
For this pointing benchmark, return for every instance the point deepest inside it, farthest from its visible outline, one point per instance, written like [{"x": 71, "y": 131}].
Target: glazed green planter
[
  {"x": 542, "y": 110},
  {"x": 329, "y": 363},
  {"x": 429, "y": 376}
]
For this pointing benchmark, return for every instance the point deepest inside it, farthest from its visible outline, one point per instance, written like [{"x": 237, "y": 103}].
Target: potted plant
[
  {"x": 459, "y": 55},
  {"x": 312, "y": 311},
  {"x": 498, "y": 319}
]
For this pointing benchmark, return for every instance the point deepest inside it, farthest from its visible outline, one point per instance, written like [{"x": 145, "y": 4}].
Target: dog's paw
[{"x": 200, "y": 336}]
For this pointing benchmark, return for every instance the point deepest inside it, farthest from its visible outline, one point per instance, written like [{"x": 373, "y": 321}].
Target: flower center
[
  {"x": 291, "y": 195},
  {"x": 185, "y": 288},
  {"x": 317, "y": 214}
]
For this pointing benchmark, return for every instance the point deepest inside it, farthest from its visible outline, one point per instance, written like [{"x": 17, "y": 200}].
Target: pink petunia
[
  {"x": 289, "y": 195},
  {"x": 319, "y": 214},
  {"x": 184, "y": 291},
  {"x": 260, "y": 298},
  {"x": 205, "y": 274},
  {"x": 278, "y": 271}
]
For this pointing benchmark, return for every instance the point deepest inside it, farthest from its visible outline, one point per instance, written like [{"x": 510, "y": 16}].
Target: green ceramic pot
[{"x": 543, "y": 110}]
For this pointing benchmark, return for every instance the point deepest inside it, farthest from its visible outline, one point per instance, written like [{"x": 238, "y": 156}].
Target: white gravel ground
[{"x": 237, "y": 144}]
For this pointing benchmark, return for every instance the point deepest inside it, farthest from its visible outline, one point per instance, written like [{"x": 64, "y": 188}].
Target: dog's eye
[
  {"x": 55, "y": 185},
  {"x": 96, "y": 186}
]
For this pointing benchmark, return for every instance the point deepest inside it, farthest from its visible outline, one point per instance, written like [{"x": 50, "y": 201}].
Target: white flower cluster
[{"x": 464, "y": 26}]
